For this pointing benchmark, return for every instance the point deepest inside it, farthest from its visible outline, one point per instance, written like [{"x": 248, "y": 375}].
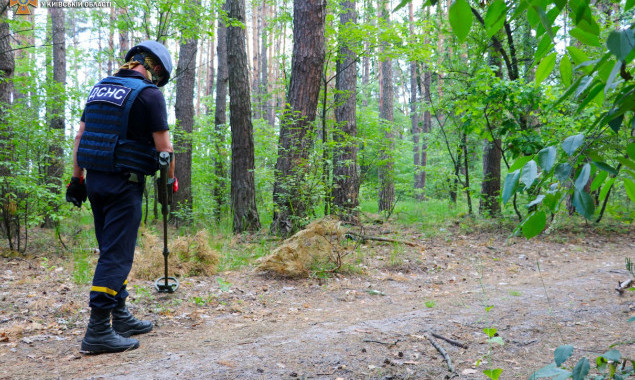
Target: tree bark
[
  {"x": 7, "y": 67},
  {"x": 492, "y": 156},
  {"x": 255, "y": 40},
  {"x": 290, "y": 197},
  {"x": 427, "y": 127},
  {"x": 220, "y": 117},
  {"x": 414, "y": 117},
  {"x": 56, "y": 102},
  {"x": 346, "y": 179},
  {"x": 243, "y": 189},
  {"x": 184, "y": 113},
  {"x": 386, "y": 167}
]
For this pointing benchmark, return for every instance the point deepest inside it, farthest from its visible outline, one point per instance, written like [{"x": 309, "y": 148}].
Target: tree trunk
[
  {"x": 346, "y": 179},
  {"x": 414, "y": 117},
  {"x": 56, "y": 101},
  {"x": 256, "y": 20},
  {"x": 386, "y": 167},
  {"x": 367, "y": 52},
  {"x": 243, "y": 188},
  {"x": 492, "y": 155},
  {"x": 427, "y": 127},
  {"x": 7, "y": 66},
  {"x": 184, "y": 113},
  {"x": 220, "y": 117},
  {"x": 290, "y": 197}
]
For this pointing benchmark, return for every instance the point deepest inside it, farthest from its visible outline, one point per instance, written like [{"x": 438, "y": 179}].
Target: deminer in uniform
[{"x": 123, "y": 126}]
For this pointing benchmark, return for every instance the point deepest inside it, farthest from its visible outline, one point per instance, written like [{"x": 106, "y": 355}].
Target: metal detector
[{"x": 165, "y": 284}]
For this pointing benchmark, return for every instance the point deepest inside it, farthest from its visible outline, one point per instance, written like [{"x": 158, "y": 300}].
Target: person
[{"x": 123, "y": 126}]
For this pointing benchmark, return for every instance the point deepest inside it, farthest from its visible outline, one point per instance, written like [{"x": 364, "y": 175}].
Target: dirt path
[{"x": 369, "y": 325}]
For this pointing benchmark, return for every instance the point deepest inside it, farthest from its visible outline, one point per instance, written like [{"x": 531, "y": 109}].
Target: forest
[{"x": 468, "y": 165}]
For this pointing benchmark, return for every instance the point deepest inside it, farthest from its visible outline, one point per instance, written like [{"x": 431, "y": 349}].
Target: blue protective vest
[{"x": 104, "y": 145}]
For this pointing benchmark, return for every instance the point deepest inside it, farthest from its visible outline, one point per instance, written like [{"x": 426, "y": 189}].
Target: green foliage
[{"x": 608, "y": 366}]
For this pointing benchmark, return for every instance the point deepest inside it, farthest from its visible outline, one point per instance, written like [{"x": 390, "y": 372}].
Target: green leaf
[
  {"x": 610, "y": 81},
  {"x": 401, "y": 5},
  {"x": 519, "y": 163},
  {"x": 579, "y": 57},
  {"x": 572, "y": 143},
  {"x": 545, "y": 68},
  {"x": 581, "y": 369},
  {"x": 544, "y": 46},
  {"x": 549, "y": 370},
  {"x": 529, "y": 173},
  {"x": 563, "y": 171},
  {"x": 599, "y": 180},
  {"x": 490, "y": 331},
  {"x": 551, "y": 201},
  {"x": 593, "y": 93},
  {"x": 545, "y": 20},
  {"x": 585, "y": 37},
  {"x": 583, "y": 203},
  {"x": 621, "y": 43},
  {"x": 612, "y": 356},
  {"x": 510, "y": 184},
  {"x": 562, "y": 353},
  {"x": 495, "y": 17},
  {"x": 460, "y": 15},
  {"x": 547, "y": 157},
  {"x": 616, "y": 123},
  {"x": 536, "y": 201},
  {"x": 605, "y": 167},
  {"x": 497, "y": 340},
  {"x": 605, "y": 189},
  {"x": 627, "y": 162},
  {"x": 534, "y": 224},
  {"x": 630, "y": 150},
  {"x": 629, "y": 4},
  {"x": 629, "y": 185},
  {"x": 493, "y": 374},
  {"x": 583, "y": 177},
  {"x": 566, "y": 72}
]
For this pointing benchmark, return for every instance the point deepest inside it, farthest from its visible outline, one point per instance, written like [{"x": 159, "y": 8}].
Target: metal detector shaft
[{"x": 170, "y": 284}]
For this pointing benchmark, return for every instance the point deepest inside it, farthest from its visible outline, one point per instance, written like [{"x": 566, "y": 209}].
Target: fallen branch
[
  {"x": 622, "y": 286},
  {"x": 380, "y": 342},
  {"x": 443, "y": 353},
  {"x": 355, "y": 236},
  {"x": 452, "y": 342}
]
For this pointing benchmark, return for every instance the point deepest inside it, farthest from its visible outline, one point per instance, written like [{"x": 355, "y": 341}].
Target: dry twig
[
  {"x": 443, "y": 353},
  {"x": 378, "y": 238},
  {"x": 452, "y": 342}
]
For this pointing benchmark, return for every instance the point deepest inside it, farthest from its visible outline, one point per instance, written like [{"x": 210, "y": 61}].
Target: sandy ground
[{"x": 369, "y": 323}]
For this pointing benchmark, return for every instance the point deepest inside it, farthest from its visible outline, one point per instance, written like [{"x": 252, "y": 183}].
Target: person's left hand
[{"x": 76, "y": 191}]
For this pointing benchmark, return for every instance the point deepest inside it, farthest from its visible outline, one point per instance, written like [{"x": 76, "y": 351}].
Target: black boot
[
  {"x": 100, "y": 337},
  {"x": 125, "y": 324}
]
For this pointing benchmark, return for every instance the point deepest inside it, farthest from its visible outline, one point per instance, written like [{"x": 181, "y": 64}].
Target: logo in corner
[{"x": 23, "y": 6}]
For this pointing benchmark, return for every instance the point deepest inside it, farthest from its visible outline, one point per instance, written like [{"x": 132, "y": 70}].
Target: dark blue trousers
[{"x": 116, "y": 205}]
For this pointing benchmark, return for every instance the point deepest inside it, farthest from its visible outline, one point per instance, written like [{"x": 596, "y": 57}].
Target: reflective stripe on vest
[{"x": 104, "y": 145}]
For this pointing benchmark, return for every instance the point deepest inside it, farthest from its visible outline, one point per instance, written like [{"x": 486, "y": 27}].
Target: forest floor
[{"x": 368, "y": 323}]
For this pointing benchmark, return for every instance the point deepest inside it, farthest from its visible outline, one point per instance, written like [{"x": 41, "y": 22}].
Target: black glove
[{"x": 76, "y": 191}]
